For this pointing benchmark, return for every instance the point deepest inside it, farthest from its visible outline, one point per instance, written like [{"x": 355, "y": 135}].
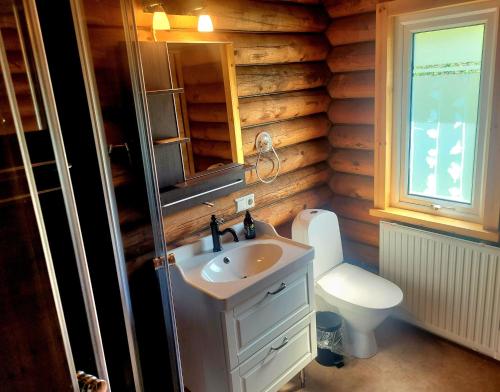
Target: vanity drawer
[
  {"x": 257, "y": 321},
  {"x": 276, "y": 363}
]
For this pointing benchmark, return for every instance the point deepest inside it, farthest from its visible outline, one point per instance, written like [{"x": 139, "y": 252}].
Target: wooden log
[
  {"x": 288, "y": 132},
  {"x": 7, "y": 20},
  {"x": 248, "y": 15},
  {"x": 197, "y": 54},
  {"x": 227, "y": 15},
  {"x": 21, "y": 84},
  {"x": 138, "y": 240},
  {"x": 30, "y": 123},
  {"x": 355, "y": 209},
  {"x": 195, "y": 75},
  {"x": 25, "y": 105},
  {"x": 279, "y": 48},
  {"x": 352, "y": 29},
  {"x": 292, "y": 158},
  {"x": 357, "y": 137},
  {"x": 207, "y": 112},
  {"x": 366, "y": 233},
  {"x": 352, "y": 111},
  {"x": 258, "y": 110},
  {"x": 352, "y": 85},
  {"x": 354, "y": 57},
  {"x": 351, "y": 185},
  {"x": 286, "y": 210},
  {"x": 258, "y": 48},
  {"x": 16, "y": 61},
  {"x": 248, "y": 48},
  {"x": 356, "y": 251},
  {"x": 198, "y": 218},
  {"x": 203, "y": 163},
  {"x": 278, "y": 213},
  {"x": 205, "y": 93},
  {"x": 210, "y": 148},
  {"x": 339, "y": 8},
  {"x": 209, "y": 131},
  {"x": 131, "y": 216},
  {"x": 352, "y": 161},
  {"x": 11, "y": 39},
  {"x": 268, "y": 79},
  {"x": 8, "y": 128}
]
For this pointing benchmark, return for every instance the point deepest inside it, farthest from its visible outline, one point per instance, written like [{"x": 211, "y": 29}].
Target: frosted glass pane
[{"x": 445, "y": 81}]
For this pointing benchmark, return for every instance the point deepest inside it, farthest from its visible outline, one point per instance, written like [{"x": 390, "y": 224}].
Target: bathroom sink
[
  {"x": 242, "y": 262},
  {"x": 240, "y": 267}
]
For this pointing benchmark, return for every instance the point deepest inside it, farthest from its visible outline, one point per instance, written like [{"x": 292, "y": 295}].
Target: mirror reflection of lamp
[
  {"x": 160, "y": 18},
  {"x": 160, "y": 21},
  {"x": 205, "y": 24}
]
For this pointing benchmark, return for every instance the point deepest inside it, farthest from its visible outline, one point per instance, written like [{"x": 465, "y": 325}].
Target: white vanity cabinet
[{"x": 254, "y": 341}]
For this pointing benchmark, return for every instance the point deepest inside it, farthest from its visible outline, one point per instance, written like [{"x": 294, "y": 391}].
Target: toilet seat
[{"x": 360, "y": 287}]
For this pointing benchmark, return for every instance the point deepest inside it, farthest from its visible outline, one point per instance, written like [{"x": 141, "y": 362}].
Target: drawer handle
[
  {"x": 281, "y": 288},
  {"x": 285, "y": 342}
]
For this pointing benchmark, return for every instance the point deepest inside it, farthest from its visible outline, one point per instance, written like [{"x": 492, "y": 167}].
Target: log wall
[
  {"x": 351, "y": 33},
  {"x": 282, "y": 74}
]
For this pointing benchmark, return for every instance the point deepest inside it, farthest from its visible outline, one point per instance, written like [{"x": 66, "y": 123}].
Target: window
[
  {"x": 443, "y": 120},
  {"x": 435, "y": 84}
]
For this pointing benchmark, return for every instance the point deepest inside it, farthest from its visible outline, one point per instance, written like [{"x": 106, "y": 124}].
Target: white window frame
[
  {"x": 405, "y": 27},
  {"x": 483, "y": 226}
]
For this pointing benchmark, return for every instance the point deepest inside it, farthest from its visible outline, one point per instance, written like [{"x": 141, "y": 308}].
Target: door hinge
[
  {"x": 161, "y": 261},
  {"x": 171, "y": 258}
]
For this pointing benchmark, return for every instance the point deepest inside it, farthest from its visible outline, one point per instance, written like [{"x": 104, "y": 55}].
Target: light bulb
[
  {"x": 160, "y": 21},
  {"x": 205, "y": 24}
]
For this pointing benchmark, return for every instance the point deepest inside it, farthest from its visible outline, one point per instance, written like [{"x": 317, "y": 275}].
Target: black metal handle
[
  {"x": 285, "y": 342},
  {"x": 281, "y": 288}
]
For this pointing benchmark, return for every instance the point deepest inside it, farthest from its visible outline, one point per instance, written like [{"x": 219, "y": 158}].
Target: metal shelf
[{"x": 179, "y": 90}]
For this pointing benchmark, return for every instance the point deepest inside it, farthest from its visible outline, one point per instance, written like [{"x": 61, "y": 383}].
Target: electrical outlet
[{"x": 245, "y": 202}]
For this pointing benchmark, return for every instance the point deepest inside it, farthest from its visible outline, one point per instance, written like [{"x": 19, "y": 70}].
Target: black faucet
[{"x": 216, "y": 233}]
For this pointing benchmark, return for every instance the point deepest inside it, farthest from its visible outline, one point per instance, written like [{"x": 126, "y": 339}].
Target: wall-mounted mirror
[{"x": 193, "y": 118}]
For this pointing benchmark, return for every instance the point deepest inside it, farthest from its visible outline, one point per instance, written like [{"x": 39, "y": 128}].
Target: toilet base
[{"x": 361, "y": 344}]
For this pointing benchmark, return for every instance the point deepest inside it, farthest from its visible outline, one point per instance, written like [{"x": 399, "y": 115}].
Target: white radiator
[{"x": 451, "y": 286}]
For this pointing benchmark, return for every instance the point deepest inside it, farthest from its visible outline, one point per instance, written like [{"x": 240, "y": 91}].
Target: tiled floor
[{"x": 409, "y": 360}]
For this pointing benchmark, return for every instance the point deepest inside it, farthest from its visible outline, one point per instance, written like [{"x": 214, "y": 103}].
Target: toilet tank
[{"x": 319, "y": 229}]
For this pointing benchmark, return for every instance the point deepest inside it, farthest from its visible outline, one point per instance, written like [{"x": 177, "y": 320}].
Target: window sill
[{"x": 455, "y": 226}]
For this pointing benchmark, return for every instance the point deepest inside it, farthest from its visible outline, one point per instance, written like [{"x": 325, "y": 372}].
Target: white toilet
[{"x": 362, "y": 298}]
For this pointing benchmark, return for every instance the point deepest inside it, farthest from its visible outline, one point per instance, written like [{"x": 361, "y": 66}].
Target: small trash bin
[{"x": 329, "y": 336}]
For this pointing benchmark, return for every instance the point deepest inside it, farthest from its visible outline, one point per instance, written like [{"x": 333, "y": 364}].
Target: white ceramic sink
[
  {"x": 240, "y": 266},
  {"x": 241, "y": 263}
]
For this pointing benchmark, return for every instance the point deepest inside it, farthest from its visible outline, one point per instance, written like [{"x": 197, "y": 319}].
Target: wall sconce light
[
  {"x": 205, "y": 24},
  {"x": 176, "y": 7}
]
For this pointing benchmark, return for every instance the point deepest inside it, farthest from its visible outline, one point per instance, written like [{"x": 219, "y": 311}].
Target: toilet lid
[{"x": 360, "y": 287}]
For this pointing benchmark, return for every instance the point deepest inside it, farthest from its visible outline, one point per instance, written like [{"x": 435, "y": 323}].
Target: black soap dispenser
[{"x": 249, "y": 226}]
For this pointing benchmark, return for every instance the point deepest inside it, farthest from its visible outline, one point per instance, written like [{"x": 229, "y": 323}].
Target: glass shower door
[
  {"x": 47, "y": 325},
  {"x": 34, "y": 340}
]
